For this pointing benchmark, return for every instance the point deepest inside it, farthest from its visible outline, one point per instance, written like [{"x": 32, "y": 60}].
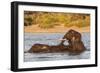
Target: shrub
[
  {"x": 47, "y": 21},
  {"x": 28, "y": 21}
]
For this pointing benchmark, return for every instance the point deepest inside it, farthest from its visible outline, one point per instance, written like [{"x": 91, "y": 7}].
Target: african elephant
[{"x": 75, "y": 41}]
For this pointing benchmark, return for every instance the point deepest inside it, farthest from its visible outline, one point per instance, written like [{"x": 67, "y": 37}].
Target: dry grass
[{"x": 55, "y": 22}]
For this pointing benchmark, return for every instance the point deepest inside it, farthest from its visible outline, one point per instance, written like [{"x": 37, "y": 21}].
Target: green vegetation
[
  {"x": 51, "y": 19},
  {"x": 28, "y": 21},
  {"x": 46, "y": 21}
]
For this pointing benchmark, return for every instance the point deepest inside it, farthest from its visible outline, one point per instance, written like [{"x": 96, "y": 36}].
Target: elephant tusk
[{"x": 57, "y": 39}]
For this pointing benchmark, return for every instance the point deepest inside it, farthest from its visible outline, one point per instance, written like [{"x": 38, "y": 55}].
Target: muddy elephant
[
  {"x": 69, "y": 35},
  {"x": 75, "y": 45},
  {"x": 75, "y": 42}
]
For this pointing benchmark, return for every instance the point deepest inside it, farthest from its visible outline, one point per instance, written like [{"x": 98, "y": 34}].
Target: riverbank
[{"x": 36, "y": 29}]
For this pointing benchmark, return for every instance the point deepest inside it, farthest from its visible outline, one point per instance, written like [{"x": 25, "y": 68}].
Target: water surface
[{"x": 51, "y": 39}]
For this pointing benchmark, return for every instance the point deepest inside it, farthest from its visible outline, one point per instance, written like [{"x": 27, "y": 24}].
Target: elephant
[
  {"x": 75, "y": 45},
  {"x": 75, "y": 42}
]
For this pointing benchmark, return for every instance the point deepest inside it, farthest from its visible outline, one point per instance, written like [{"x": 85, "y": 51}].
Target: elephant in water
[
  {"x": 75, "y": 42},
  {"x": 75, "y": 45}
]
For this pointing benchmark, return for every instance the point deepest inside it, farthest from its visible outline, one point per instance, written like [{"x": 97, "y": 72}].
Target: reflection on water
[{"x": 51, "y": 39}]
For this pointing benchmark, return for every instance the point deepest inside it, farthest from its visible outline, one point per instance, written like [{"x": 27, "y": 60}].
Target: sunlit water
[{"x": 51, "y": 39}]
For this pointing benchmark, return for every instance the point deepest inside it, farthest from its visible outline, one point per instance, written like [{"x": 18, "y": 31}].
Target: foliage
[
  {"x": 27, "y": 21},
  {"x": 52, "y": 19}
]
